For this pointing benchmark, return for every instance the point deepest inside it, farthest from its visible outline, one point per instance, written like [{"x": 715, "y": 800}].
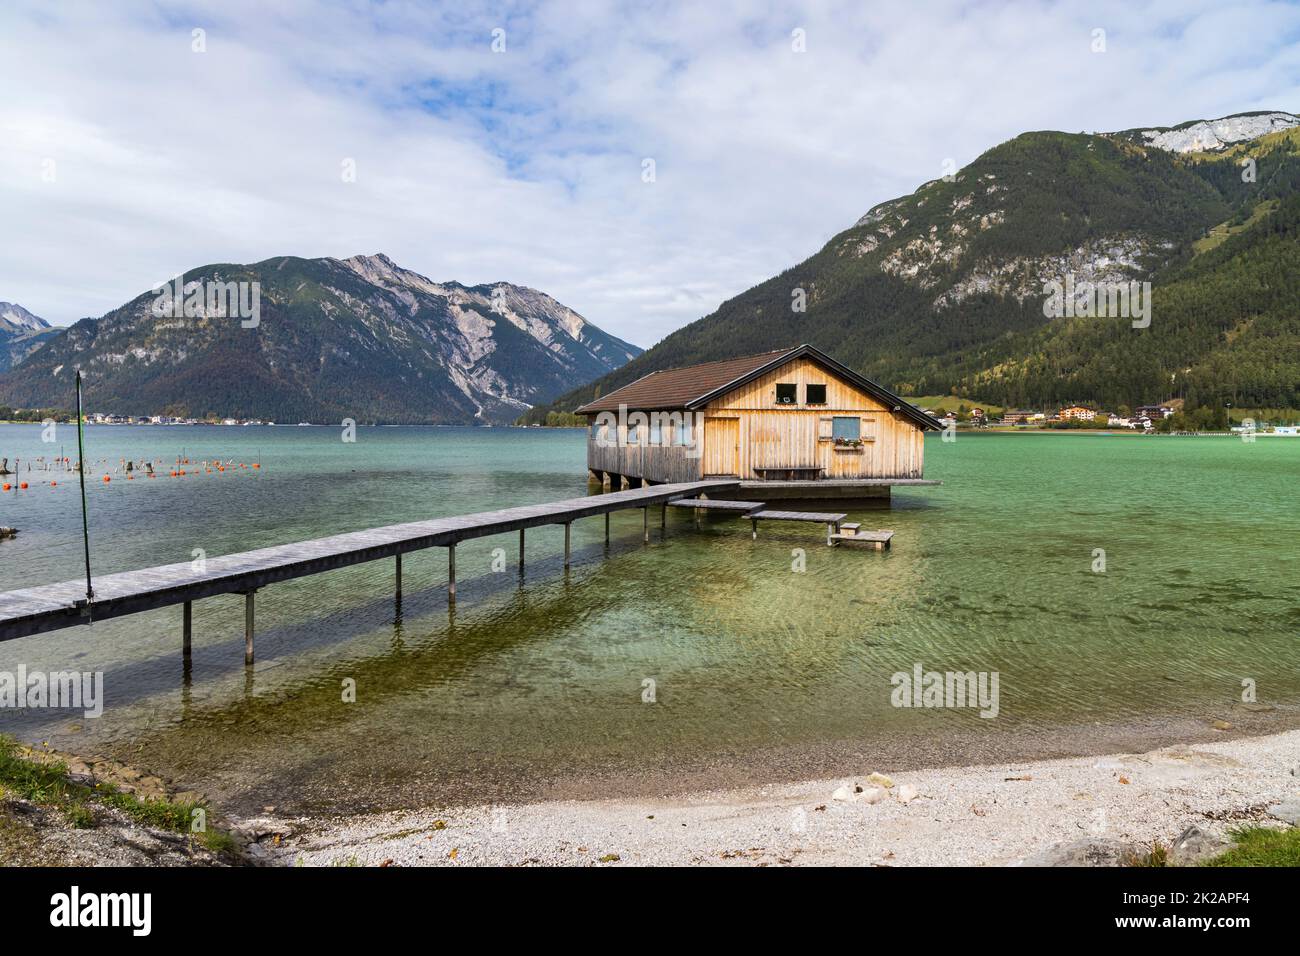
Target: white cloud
[{"x": 526, "y": 165}]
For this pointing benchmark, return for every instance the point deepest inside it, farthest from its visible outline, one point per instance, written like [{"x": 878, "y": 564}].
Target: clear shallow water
[{"x": 530, "y": 689}]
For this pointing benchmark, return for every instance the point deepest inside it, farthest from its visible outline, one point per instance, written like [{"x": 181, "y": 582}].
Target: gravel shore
[{"x": 996, "y": 814}]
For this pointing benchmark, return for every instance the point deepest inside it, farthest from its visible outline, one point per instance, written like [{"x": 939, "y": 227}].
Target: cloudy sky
[{"x": 127, "y": 155}]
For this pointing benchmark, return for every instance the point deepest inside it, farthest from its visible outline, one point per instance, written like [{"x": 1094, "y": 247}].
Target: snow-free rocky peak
[
  {"x": 1211, "y": 135},
  {"x": 14, "y": 318}
]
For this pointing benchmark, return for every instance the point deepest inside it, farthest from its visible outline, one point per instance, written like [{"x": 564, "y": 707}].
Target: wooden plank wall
[{"x": 655, "y": 463}]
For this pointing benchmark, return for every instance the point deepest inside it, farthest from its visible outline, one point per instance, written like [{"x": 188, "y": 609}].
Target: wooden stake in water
[{"x": 85, "y": 525}]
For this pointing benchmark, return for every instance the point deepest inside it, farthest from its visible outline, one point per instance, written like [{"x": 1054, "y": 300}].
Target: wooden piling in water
[
  {"x": 451, "y": 574},
  {"x": 521, "y": 550},
  {"x": 398, "y": 575},
  {"x": 645, "y": 525},
  {"x": 248, "y": 628},
  {"x": 607, "y": 527},
  {"x": 567, "y": 526},
  {"x": 187, "y": 628}
]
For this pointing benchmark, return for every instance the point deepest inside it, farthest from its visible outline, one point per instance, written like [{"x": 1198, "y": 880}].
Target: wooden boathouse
[{"x": 793, "y": 423}]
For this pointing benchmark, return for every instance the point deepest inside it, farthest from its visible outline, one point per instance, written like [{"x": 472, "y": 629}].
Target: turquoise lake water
[{"x": 536, "y": 687}]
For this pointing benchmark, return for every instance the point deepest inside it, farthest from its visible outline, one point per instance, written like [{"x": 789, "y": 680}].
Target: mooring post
[
  {"x": 521, "y": 550},
  {"x": 248, "y": 628},
  {"x": 187, "y": 628},
  {"x": 663, "y": 520},
  {"x": 645, "y": 525},
  {"x": 567, "y": 525},
  {"x": 451, "y": 574},
  {"x": 607, "y": 527},
  {"x": 754, "y": 522},
  {"x": 398, "y": 573}
]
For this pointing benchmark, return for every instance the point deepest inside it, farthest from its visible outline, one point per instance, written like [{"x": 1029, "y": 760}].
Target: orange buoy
[
  {"x": 257, "y": 464},
  {"x": 107, "y": 479},
  {"x": 6, "y": 486},
  {"x": 22, "y": 484},
  {"x": 54, "y": 484}
]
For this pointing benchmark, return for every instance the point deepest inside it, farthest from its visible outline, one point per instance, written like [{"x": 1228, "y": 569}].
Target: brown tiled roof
[{"x": 678, "y": 387}]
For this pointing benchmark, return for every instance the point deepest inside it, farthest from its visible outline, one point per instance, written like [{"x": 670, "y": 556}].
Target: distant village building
[
  {"x": 1077, "y": 413},
  {"x": 1154, "y": 412},
  {"x": 794, "y": 416}
]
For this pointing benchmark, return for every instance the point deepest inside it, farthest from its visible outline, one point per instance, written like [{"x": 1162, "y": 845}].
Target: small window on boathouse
[
  {"x": 815, "y": 394},
  {"x": 787, "y": 394},
  {"x": 633, "y": 434},
  {"x": 656, "y": 434},
  {"x": 685, "y": 438},
  {"x": 849, "y": 429}
]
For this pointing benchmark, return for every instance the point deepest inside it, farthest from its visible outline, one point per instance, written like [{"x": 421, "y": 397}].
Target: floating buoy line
[{"x": 23, "y": 475}]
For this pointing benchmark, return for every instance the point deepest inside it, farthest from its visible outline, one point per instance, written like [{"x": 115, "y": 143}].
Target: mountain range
[
  {"x": 942, "y": 292},
  {"x": 322, "y": 340}
]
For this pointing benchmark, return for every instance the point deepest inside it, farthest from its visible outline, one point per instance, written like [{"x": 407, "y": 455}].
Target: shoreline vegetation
[
  {"x": 1199, "y": 421},
  {"x": 57, "y": 809}
]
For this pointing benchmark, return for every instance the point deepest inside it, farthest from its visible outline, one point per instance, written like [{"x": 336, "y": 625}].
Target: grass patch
[
  {"x": 43, "y": 783},
  {"x": 1260, "y": 846},
  {"x": 1223, "y": 230},
  {"x": 1158, "y": 855},
  {"x": 950, "y": 403},
  {"x": 46, "y": 784}
]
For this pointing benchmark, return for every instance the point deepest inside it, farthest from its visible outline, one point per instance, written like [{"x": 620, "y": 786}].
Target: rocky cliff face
[
  {"x": 1213, "y": 135},
  {"x": 357, "y": 338},
  {"x": 21, "y": 333}
]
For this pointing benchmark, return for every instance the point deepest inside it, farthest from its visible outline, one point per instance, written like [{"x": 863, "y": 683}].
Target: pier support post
[
  {"x": 567, "y": 526},
  {"x": 754, "y": 523},
  {"x": 521, "y": 550},
  {"x": 645, "y": 525},
  {"x": 248, "y": 628},
  {"x": 663, "y": 520},
  {"x": 606, "y": 527},
  {"x": 187, "y": 628},
  {"x": 398, "y": 575},
  {"x": 451, "y": 574}
]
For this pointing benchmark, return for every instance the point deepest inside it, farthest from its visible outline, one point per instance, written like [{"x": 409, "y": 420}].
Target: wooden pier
[
  {"x": 36, "y": 610},
  {"x": 28, "y": 611}
]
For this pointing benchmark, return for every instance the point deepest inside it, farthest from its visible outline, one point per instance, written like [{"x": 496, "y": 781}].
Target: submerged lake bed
[{"x": 1123, "y": 588}]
